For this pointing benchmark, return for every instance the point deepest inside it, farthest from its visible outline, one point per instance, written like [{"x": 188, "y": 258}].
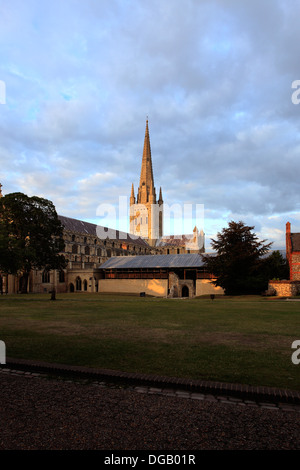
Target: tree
[
  {"x": 31, "y": 236},
  {"x": 238, "y": 260},
  {"x": 276, "y": 267}
]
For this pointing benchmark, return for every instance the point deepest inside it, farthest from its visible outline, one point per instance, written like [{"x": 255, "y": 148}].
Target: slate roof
[
  {"x": 87, "y": 228},
  {"x": 179, "y": 240},
  {"x": 295, "y": 238},
  {"x": 154, "y": 261}
]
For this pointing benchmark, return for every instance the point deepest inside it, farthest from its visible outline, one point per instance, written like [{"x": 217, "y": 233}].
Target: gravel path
[{"x": 42, "y": 414}]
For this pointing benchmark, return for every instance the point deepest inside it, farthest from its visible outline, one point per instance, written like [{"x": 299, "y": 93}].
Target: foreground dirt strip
[
  {"x": 258, "y": 394},
  {"x": 48, "y": 414}
]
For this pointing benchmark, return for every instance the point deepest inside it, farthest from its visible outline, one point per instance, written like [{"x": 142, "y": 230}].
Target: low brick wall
[{"x": 284, "y": 288}]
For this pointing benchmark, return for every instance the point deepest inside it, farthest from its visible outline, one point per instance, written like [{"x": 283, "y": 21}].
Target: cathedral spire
[
  {"x": 160, "y": 199},
  {"x": 132, "y": 197},
  {"x": 146, "y": 179},
  {"x": 146, "y": 213}
]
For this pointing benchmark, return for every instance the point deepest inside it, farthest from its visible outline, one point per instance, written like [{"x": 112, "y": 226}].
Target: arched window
[
  {"x": 73, "y": 238},
  {"x": 87, "y": 250},
  {"x": 85, "y": 284},
  {"x": 75, "y": 249},
  {"x": 46, "y": 277},
  {"x": 84, "y": 240},
  {"x": 61, "y": 276},
  {"x": 78, "y": 283}
]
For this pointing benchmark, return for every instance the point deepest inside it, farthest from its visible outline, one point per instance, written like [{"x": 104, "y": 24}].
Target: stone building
[
  {"x": 177, "y": 275},
  {"x": 147, "y": 213},
  {"x": 191, "y": 243},
  {"x": 86, "y": 252},
  {"x": 291, "y": 286}
]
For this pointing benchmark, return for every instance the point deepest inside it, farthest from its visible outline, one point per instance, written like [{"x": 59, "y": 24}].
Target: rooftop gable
[
  {"x": 154, "y": 261},
  {"x": 87, "y": 228}
]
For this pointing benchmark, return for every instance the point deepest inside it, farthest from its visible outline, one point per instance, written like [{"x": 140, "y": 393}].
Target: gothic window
[
  {"x": 78, "y": 283},
  {"x": 73, "y": 238},
  {"x": 108, "y": 253},
  {"x": 61, "y": 276},
  {"x": 84, "y": 240},
  {"x": 75, "y": 249},
  {"x": 98, "y": 251},
  {"x": 85, "y": 284},
  {"x": 87, "y": 250},
  {"x": 46, "y": 277}
]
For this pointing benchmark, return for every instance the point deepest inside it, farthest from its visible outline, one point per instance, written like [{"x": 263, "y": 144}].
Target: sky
[{"x": 218, "y": 80}]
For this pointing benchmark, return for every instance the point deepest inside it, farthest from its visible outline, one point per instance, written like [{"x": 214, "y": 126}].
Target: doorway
[{"x": 185, "y": 291}]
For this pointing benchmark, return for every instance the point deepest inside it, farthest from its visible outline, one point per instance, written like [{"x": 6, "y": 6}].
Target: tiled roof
[
  {"x": 154, "y": 261},
  {"x": 87, "y": 228},
  {"x": 295, "y": 237},
  {"x": 176, "y": 240}
]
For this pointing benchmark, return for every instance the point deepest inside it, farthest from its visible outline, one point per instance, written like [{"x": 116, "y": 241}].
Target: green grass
[{"x": 241, "y": 339}]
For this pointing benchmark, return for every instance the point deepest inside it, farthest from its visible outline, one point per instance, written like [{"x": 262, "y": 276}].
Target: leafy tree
[
  {"x": 31, "y": 236},
  {"x": 275, "y": 266},
  {"x": 238, "y": 260}
]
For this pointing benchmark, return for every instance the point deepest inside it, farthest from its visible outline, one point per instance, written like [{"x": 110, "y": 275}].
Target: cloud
[{"x": 214, "y": 78}]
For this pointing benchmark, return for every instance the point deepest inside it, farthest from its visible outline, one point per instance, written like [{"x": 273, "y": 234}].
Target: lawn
[{"x": 240, "y": 339}]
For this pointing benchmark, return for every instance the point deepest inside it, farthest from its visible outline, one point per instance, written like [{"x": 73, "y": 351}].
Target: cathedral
[
  {"x": 87, "y": 253},
  {"x": 147, "y": 213}
]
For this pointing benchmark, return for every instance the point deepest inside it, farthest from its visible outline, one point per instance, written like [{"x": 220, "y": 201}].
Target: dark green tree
[
  {"x": 31, "y": 236},
  {"x": 238, "y": 260},
  {"x": 275, "y": 266}
]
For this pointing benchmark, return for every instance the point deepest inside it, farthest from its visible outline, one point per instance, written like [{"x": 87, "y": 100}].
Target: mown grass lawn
[{"x": 242, "y": 339}]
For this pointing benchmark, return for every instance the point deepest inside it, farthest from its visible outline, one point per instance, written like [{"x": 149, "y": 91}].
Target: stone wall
[
  {"x": 180, "y": 287},
  {"x": 295, "y": 266},
  {"x": 206, "y": 287},
  {"x": 284, "y": 288},
  {"x": 155, "y": 287}
]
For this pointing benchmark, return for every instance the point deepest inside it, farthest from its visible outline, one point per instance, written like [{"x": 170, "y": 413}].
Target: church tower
[{"x": 146, "y": 212}]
